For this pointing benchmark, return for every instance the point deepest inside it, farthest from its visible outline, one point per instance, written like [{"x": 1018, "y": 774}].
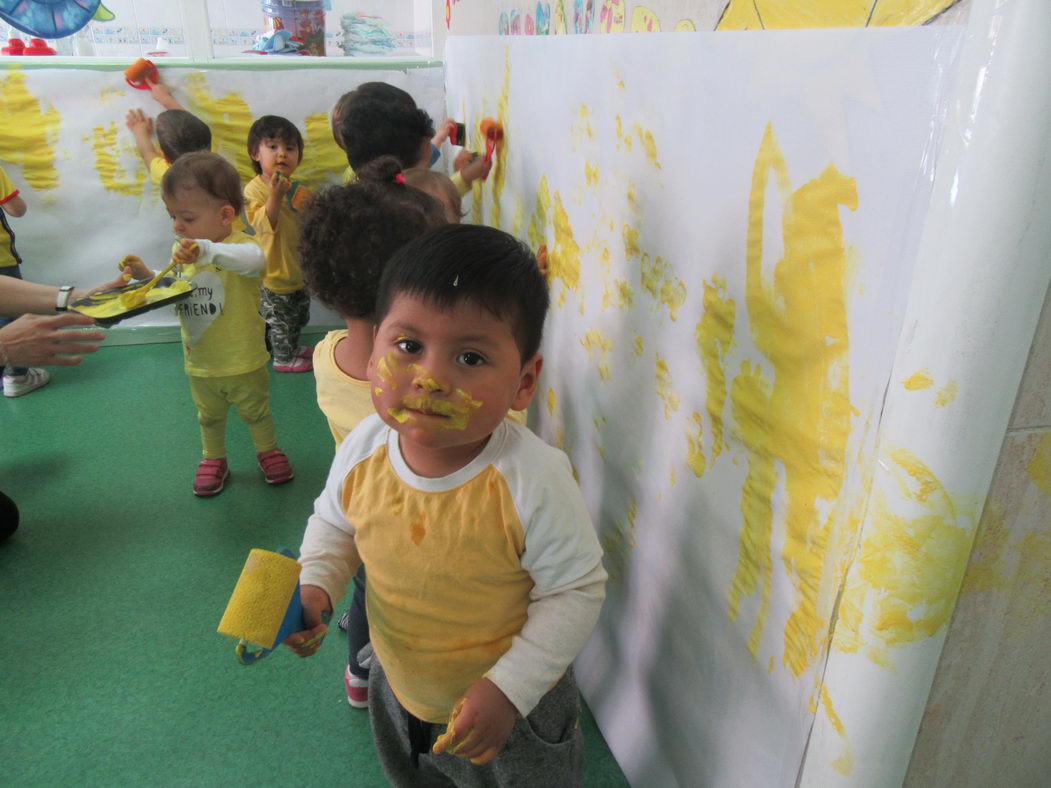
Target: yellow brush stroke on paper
[
  {"x": 631, "y": 241},
  {"x": 695, "y": 450},
  {"x": 639, "y": 346},
  {"x": 685, "y": 26},
  {"x": 107, "y": 162},
  {"x": 591, "y": 173},
  {"x": 779, "y": 15},
  {"x": 918, "y": 381},
  {"x": 643, "y": 20},
  {"x": 558, "y": 23},
  {"x": 844, "y": 764},
  {"x": 946, "y": 394},
  {"x": 664, "y": 389},
  {"x": 658, "y": 279},
  {"x": 552, "y": 401},
  {"x": 617, "y": 294},
  {"x": 29, "y": 133},
  {"x": 909, "y": 567},
  {"x": 1039, "y": 468},
  {"x": 323, "y": 159},
  {"x": 801, "y": 418},
  {"x": 229, "y": 117},
  {"x": 498, "y": 174},
  {"x": 618, "y": 541},
  {"x": 582, "y": 124},
  {"x": 563, "y": 260},
  {"x": 598, "y": 346},
  {"x": 611, "y": 18},
  {"x": 538, "y": 221},
  {"x": 714, "y": 335},
  {"x": 622, "y": 138},
  {"x": 108, "y": 94},
  {"x": 648, "y": 145}
]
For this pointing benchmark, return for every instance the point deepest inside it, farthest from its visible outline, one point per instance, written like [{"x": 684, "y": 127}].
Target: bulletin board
[{"x": 730, "y": 248}]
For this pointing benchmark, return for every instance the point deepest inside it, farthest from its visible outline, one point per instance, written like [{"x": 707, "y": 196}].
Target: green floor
[{"x": 112, "y": 588}]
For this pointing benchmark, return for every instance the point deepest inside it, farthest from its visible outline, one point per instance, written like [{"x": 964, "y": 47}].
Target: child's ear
[
  {"x": 528, "y": 381},
  {"x": 227, "y": 215}
]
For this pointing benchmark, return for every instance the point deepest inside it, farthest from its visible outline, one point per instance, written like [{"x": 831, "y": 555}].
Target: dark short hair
[
  {"x": 348, "y": 233},
  {"x": 207, "y": 171},
  {"x": 179, "y": 132},
  {"x": 372, "y": 127},
  {"x": 272, "y": 127},
  {"x": 468, "y": 262},
  {"x": 380, "y": 91}
]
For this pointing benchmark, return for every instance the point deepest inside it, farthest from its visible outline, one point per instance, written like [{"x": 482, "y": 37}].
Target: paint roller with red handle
[
  {"x": 494, "y": 135},
  {"x": 141, "y": 73}
]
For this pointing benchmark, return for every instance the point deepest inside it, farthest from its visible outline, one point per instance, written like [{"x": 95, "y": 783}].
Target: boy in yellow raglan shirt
[
  {"x": 222, "y": 332},
  {"x": 273, "y": 202},
  {"x": 485, "y": 574}
]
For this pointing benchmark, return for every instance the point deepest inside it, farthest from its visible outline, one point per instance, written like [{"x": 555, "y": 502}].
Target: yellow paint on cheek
[
  {"x": 1039, "y": 468},
  {"x": 659, "y": 281},
  {"x": 229, "y": 117},
  {"x": 400, "y": 415},
  {"x": 107, "y": 163},
  {"x": 714, "y": 335},
  {"x": 802, "y": 421},
  {"x": 552, "y": 401},
  {"x": 918, "y": 381},
  {"x": 30, "y": 132},
  {"x": 695, "y": 454},
  {"x": 564, "y": 259},
  {"x": 664, "y": 389},
  {"x": 385, "y": 368},
  {"x": 946, "y": 394},
  {"x": 322, "y": 157}
]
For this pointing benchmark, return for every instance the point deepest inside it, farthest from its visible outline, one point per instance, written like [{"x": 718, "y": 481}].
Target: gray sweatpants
[
  {"x": 285, "y": 315},
  {"x": 545, "y": 749}
]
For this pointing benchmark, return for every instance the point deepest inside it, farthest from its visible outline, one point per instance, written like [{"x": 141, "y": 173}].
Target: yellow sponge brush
[{"x": 264, "y": 607}]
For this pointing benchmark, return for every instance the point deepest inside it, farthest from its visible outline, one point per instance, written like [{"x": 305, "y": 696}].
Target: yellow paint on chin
[
  {"x": 229, "y": 117},
  {"x": 323, "y": 158},
  {"x": 714, "y": 335},
  {"x": 30, "y": 132},
  {"x": 918, "y": 381},
  {"x": 664, "y": 388},
  {"x": 799, "y": 420},
  {"x": 107, "y": 163}
]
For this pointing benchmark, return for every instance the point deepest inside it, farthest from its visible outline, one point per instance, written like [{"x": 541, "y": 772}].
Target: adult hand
[{"x": 35, "y": 340}]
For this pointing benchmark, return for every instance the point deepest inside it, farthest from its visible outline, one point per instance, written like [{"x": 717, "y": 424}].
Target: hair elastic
[{"x": 399, "y": 178}]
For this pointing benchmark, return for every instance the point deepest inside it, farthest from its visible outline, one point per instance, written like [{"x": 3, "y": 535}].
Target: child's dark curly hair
[
  {"x": 380, "y": 91},
  {"x": 272, "y": 127},
  {"x": 349, "y": 232},
  {"x": 179, "y": 132},
  {"x": 371, "y": 128}
]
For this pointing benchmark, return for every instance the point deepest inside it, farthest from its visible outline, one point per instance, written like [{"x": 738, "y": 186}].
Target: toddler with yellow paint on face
[{"x": 485, "y": 575}]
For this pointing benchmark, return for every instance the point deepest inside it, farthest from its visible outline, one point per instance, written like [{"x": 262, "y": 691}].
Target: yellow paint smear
[
  {"x": 685, "y": 26},
  {"x": 695, "y": 450},
  {"x": 618, "y": 541},
  {"x": 659, "y": 281},
  {"x": 322, "y": 159},
  {"x": 109, "y": 305},
  {"x": 844, "y": 764},
  {"x": 918, "y": 381},
  {"x": 799, "y": 419},
  {"x": 1039, "y": 468},
  {"x": 498, "y": 174},
  {"x": 631, "y": 242},
  {"x": 591, "y": 174},
  {"x": 617, "y": 294},
  {"x": 107, "y": 162},
  {"x": 583, "y": 129},
  {"x": 552, "y": 401},
  {"x": 664, "y": 388},
  {"x": 779, "y": 15},
  {"x": 714, "y": 335},
  {"x": 564, "y": 258},
  {"x": 639, "y": 346},
  {"x": 418, "y": 529},
  {"x": 648, "y": 145},
  {"x": 909, "y": 568},
  {"x": 538, "y": 221},
  {"x": 30, "y": 132},
  {"x": 946, "y": 394},
  {"x": 598, "y": 347},
  {"x": 229, "y": 118}
]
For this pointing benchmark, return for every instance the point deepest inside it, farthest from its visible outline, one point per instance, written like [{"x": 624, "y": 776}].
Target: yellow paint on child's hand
[
  {"x": 30, "y": 132},
  {"x": 918, "y": 381}
]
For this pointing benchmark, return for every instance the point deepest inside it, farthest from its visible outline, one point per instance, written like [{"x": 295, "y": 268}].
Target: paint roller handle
[{"x": 317, "y": 610}]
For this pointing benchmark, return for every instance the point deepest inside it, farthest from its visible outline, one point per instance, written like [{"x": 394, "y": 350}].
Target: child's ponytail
[{"x": 382, "y": 171}]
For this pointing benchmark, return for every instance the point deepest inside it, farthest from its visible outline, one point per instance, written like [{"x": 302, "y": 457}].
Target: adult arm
[{"x": 34, "y": 340}]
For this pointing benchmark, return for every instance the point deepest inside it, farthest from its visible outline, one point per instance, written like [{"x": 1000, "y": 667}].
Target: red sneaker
[
  {"x": 305, "y": 351},
  {"x": 275, "y": 466},
  {"x": 210, "y": 477},
  {"x": 295, "y": 365},
  {"x": 357, "y": 690}
]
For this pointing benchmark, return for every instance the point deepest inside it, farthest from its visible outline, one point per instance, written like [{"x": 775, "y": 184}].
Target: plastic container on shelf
[{"x": 304, "y": 19}]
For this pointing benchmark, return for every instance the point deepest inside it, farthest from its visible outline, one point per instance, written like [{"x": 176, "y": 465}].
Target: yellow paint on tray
[
  {"x": 695, "y": 450},
  {"x": 664, "y": 388},
  {"x": 918, "y": 381},
  {"x": 1039, "y": 468},
  {"x": 909, "y": 567},
  {"x": 946, "y": 394},
  {"x": 30, "y": 132},
  {"x": 658, "y": 279},
  {"x": 109, "y": 304},
  {"x": 229, "y": 117},
  {"x": 643, "y": 20},
  {"x": 107, "y": 162},
  {"x": 779, "y": 15},
  {"x": 648, "y": 144},
  {"x": 797, "y": 422},
  {"x": 323, "y": 160},
  {"x": 564, "y": 259},
  {"x": 714, "y": 335}
]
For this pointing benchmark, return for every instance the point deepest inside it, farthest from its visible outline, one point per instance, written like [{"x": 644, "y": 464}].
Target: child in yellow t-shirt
[
  {"x": 273, "y": 204},
  {"x": 178, "y": 132},
  {"x": 222, "y": 332}
]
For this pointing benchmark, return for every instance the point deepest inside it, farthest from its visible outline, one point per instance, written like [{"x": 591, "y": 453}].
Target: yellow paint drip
[
  {"x": 946, "y": 394},
  {"x": 659, "y": 281},
  {"x": 779, "y": 15},
  {"x": 695, "y": 452},
  {"x": 564, "y": 259},
  {"x": 30, "y": 132},
  {"x": 714, "y": 335},
  {"x": 800, "y": 421},
  {"x": 664, "y": 389},
  {"x": 229, "y": 117},
  {"x": 1039, "y": 468},
  {"x": 909, "y": 568},
  {"x": 648, "y": 145},
  {"x": 322, "y": 159},
  {"x": 918, "y": 381},
  {"x": 107, "y": 163}
]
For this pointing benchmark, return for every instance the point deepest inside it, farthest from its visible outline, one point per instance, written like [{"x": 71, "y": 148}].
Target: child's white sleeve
[{"x": 246, "y": 259}]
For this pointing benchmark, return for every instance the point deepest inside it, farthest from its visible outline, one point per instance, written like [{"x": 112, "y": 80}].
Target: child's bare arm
[
  {"x": 15, "y": 206},
  {"x": 475, "y": 167},
  {"x": 164, "y": 97},
  {"x": 141, "y": 127}
]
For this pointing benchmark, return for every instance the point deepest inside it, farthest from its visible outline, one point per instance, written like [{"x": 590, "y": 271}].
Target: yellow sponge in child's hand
[{"x": 260, "y": 598}]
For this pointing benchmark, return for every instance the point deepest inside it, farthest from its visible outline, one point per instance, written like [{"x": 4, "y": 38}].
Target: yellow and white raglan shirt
[
  {"x": 283, "y": 274},
  {"x": 222, "y": 331},
  {"x": 8, "y": 255},
  {"x": 343, "y": 399},
  {"x": 493, "y": 571}
]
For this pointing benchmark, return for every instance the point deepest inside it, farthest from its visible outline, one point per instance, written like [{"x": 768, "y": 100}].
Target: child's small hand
[
  {"x": 132, "y": 267},
  {"x": 480, "y": 724},
  {"x": 447, "y": 127},
  {"x": 279, "y": 184},
  {"x": 474, "y": 167},
  {"x": 185, "y": 251},
  {"x": 315, "y": 604},
  {"x": 138, "y": 122}
]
